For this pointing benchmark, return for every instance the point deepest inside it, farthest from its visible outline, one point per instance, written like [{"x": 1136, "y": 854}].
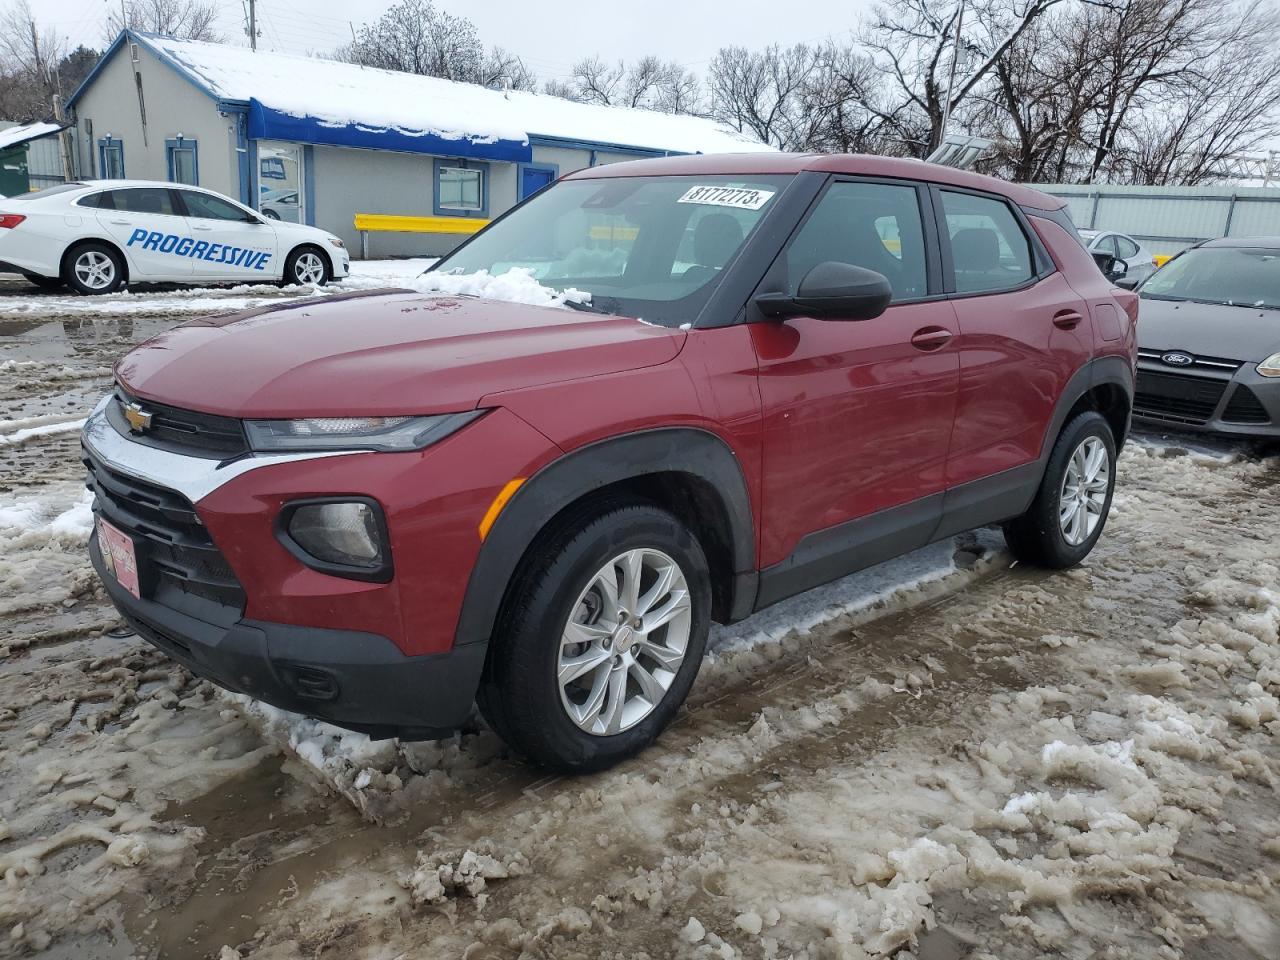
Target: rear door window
[
  {"x": 146, "y": 200},
  {"x": 1126, "y": 248},
  {"x": 872, "y": 225},
  {"x": 989, "y": 250}
]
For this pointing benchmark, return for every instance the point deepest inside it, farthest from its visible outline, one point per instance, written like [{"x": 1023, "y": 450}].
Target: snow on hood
[{"x": 517, "y": 285}]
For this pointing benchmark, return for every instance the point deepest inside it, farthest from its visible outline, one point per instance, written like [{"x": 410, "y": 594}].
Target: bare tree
[
  {"x": 415, "y": 37},
  {"x": 763, "y": 92},
  {"x": 184, "y": 19},
  {"x": 648, "y": 82},
  {"x": 29, "y": 61}
]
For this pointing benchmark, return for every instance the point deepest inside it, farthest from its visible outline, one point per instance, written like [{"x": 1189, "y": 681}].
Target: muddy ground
[{"x": 954, "y": 757}]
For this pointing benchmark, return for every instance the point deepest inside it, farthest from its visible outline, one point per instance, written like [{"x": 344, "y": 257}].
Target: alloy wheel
[
  {"x": 625, "y": 641},
  {"x": 95, "y": 270},
  {"x": 309, "y": 268},
  {"x": 1084, "y": 491}
]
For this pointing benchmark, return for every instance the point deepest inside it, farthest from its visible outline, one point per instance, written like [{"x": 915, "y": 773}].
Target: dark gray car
[{"x": 1209, "y": 339}]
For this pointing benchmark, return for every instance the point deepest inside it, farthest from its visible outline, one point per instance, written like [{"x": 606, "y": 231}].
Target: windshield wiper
[{"x": 584, "y": 307}]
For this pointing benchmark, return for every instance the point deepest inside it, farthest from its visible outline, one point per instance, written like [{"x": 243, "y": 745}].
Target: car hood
[
  {"x": 1209, "y": 329},
  {"x": 382, "y": 354}
]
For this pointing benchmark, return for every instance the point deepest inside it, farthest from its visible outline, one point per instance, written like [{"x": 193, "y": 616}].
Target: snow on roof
[
  {"x": 11, "y": 136},
  {"x": 345, "y": 94}
]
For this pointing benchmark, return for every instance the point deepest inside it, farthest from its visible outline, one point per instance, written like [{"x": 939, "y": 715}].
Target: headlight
[
  {"x": 355, "y": 433},
  {"x": 344, "y": 537},
  {"x": 1270, "y": 367},
  {"x": 337, "y": 243}
]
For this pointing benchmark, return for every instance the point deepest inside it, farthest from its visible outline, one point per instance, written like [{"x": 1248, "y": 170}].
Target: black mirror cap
[
  {"x": 1127, "y": 283},
  {"x": 832, "y": 290}
]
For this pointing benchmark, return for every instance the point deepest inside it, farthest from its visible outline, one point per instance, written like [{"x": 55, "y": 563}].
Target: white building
[{"x": 320, "y": 142}]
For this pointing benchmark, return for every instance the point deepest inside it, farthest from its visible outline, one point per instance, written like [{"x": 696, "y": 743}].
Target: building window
[
  {"x": 461, "y": 190},
  {"x": 184, "y": 166},
  {"x": 111, "y": 158}
]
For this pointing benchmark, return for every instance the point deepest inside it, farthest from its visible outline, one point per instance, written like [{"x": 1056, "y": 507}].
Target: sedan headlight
[
  {"x": 1270, "y": 367},
  {"x": 346, "y": 537},
  {"x": 355, "y": 433}
]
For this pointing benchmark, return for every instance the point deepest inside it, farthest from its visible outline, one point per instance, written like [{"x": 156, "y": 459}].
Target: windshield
[
  {"x": 1237, "y": 276},
  {"x": 648, "y": 247}
]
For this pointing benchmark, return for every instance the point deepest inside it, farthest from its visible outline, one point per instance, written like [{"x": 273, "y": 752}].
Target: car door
[
  {"x": 231, "y": 242},
  {"x": 147, "y": 224},
  {"x": 1023, "y": 332},
  {"x": 857, "y": 415}
]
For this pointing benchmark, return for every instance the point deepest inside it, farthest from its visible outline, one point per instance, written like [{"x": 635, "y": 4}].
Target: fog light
[{"x": 345, "y": 533}]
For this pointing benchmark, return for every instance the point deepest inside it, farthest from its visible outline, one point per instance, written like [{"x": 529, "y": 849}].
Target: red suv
[{"x": 381, "y": 507}]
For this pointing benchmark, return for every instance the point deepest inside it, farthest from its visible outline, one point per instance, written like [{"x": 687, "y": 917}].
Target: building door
[
  {"x": 280, "y": 181},
  {"x": 533, "y": 179}
]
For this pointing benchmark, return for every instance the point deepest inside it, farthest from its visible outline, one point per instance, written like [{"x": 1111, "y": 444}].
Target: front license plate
[{"x": 119, "y": 556}]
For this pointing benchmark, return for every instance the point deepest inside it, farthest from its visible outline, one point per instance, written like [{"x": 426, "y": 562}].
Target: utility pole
[
  {"x": 253, "y": 25},
  {"x": 64, "y": 139},
  {"x": 951, "y": 76}
]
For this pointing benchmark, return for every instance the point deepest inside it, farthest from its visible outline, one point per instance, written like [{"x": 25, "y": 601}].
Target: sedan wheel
[
  {"x": 95, "y": 270},
  {"x": 624, "y": 643},
  {"x": 309, "y": 269}
]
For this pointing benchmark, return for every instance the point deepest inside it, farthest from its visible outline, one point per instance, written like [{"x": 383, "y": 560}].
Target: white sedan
[
  {"x": 1139, "y": 262},
  {"x": 97, "y": 235}
]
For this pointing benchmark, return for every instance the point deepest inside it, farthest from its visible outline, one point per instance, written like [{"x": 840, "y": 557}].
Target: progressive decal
[{"x": 178, "y": 246}]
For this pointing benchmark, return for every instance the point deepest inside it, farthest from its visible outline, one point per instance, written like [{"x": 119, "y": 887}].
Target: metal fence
[{"x": 1169, "y": 219}]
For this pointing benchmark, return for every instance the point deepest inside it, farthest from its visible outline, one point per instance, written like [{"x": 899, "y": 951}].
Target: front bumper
[
  {"x": 360, "y": 681},
  {"x": 1239, "y": 403}
]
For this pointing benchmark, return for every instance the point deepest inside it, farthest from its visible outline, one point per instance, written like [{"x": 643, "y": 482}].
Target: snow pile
[
  {"x": 42, "y": 547},
  {"x": 517, "y": 285},
  {"x": 20, "y": 431},
  {"x": 439, "y": 875},
  {"x": 384, "y": 779}
]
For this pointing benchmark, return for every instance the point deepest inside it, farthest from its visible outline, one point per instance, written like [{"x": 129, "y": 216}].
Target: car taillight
[{"x": 10, "y": 220}]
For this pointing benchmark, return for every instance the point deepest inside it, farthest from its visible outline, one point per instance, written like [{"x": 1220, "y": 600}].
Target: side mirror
[
  {"x": 1128, "y": 283},
  {"x": 1112, "y": 267},
  {"x": 839, "y": 291}
]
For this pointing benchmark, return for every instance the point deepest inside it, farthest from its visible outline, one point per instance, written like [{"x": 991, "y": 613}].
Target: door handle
[
  {"x": 930, "y": 338},
  {"x": 1067, "y": 319},
  {"x": 201, "y": 228},
  {"x": 120, "y": 223}
]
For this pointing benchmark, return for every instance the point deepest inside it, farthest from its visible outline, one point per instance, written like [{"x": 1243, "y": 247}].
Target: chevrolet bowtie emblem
[{"x": 139, "y": 419}]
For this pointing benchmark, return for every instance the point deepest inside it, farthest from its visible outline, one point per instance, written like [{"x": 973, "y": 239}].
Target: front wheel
[
  {"x": 601, "y": 641},
  {"x": 305, "y": 266},
  {"x": 1071, "y": 507}
]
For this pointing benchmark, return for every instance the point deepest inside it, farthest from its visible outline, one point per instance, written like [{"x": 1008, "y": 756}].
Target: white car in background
[
  {"x": 97, "y": 235},
  {"x": 1138, "y": 260}
]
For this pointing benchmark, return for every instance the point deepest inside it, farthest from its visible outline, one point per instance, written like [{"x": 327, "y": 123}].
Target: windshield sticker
[{"x": 743, "y": 198}]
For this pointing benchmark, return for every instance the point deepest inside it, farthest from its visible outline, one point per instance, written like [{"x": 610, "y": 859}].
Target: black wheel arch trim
[{"x": 569, "y": 478}]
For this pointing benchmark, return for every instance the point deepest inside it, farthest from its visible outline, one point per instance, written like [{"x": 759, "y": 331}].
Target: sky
[{"x": 550, "y": 37}]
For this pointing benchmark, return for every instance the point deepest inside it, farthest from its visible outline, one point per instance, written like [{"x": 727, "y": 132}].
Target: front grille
[
  {"x": 1245, "y": 407},
  {"x": 182, "y": 431},
  {"x": 177, "y": 559},
  {"x": 1211, "y": 364},
  {"x": 1176, "y": 397}
]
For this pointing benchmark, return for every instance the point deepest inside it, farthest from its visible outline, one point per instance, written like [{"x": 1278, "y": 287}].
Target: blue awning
[{"x": 268, "y": 124}]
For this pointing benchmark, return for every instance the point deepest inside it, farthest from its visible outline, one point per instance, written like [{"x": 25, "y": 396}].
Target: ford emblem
[{"x": 1177, "y": 359}]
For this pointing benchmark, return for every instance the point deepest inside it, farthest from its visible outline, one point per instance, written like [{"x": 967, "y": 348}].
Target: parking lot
[{"x": 983, "y": 757}]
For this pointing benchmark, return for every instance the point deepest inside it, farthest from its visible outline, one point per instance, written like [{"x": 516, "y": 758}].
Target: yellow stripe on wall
[{"x": 393, "y": 223}]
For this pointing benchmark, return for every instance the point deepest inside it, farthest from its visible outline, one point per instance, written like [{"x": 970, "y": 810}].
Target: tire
[
  {"x": 306, "y": 266},
  {"x": 44, "y": 283},
  {"x": 270, "y": 214},
  {"x": 1050, "y": 534},
  {"x": 93, "y": 268},
  {"x": 576, "y": 728}
]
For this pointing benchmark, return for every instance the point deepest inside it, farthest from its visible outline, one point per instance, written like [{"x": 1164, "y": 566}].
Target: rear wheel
[
  {"x": 306, "y": 266},
  {"x": 92, "y": 268},
  {"x": 1071, "y": 507},
  {"x": 601, "y": 641}
]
